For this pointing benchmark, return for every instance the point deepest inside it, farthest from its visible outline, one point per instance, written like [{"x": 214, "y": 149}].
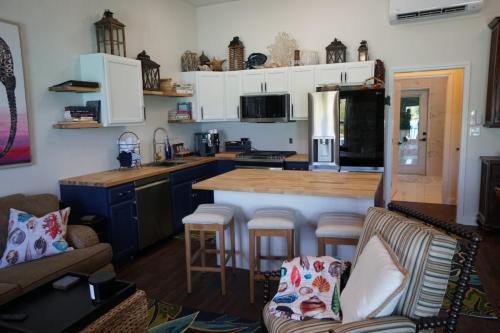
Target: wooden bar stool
[
  {"x": 338, "y": 229},
  {"x": 216, "y": 218},
  {"x": 270, "y": 223}
]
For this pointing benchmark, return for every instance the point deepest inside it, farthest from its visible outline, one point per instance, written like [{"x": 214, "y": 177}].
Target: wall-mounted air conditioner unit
[{"x": 404, "y": 11}]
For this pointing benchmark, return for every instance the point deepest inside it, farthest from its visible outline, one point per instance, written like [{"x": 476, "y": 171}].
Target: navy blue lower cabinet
[
  {"x": 182, "y": 204},
  {"x": 117, "y": 206},
  {"x": 302, "y": 166},
  {"x": 224, "y": 166},
  {"x": 123, "y": 229}
]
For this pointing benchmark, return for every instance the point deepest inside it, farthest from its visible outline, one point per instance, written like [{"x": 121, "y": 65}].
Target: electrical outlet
[{"x": 290, "y": 140}]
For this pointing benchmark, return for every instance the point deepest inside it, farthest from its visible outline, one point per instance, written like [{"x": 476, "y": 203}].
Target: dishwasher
[{"x": 154, "y": 217}]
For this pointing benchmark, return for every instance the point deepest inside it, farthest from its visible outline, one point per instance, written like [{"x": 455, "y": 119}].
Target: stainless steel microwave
[{"x": 265, "y": 108}]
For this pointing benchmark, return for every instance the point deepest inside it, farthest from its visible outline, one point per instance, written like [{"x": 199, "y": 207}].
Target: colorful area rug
[
  {"x": 168, "y": 318},
  {"x": 476, "y": 302}
]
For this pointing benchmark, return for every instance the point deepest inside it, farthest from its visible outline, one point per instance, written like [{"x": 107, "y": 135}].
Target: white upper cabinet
[
  {"x": 253, "y": 81},
  {"x": 301, "y": 84},
  {"x": 349, "y": 73},
  {"x": 261, "y": 81},
  {"x": 121, "y": 94},
  {"x": 329, "y": 74},
  {"x": 210, "y": 95},
  {"x": 357, "y": 72},
  {"x": 232, "y": 84},
  {"x": 276, "y": 80}
]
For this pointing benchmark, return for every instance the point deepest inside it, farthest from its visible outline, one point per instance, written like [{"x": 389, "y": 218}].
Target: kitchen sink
[{"x": 166, "y": 163}]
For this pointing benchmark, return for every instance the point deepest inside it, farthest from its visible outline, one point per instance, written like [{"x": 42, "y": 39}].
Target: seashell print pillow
[
  {"x": 309, "y": 288},
  {"x": 30, "y": 237}
]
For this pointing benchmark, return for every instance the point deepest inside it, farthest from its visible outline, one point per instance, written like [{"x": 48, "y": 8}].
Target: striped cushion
[
  {"x": 392, "y": 324},
  {"x": 423, "y": 250},
  {"x": 210, "y": 214},
  {"x": 281, "y": 325},
  {"x": 272, "y": 218}
]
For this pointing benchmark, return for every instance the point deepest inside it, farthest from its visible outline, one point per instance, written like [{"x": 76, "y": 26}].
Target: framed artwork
[{"x": 15, "y": 146}]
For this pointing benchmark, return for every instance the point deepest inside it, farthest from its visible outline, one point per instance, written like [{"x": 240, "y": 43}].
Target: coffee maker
[{"x": 207, "y": 143}]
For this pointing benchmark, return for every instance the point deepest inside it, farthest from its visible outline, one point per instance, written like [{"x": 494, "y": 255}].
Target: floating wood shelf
[
  {"x": 73, "y": 89},
  {"x": 181, "y": 121},
  {"x": 165, "y": 94},
  {"x": 75, "y": 125}
]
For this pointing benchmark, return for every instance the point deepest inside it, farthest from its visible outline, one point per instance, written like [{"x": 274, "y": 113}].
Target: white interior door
[{"x": 413, "y": 131}]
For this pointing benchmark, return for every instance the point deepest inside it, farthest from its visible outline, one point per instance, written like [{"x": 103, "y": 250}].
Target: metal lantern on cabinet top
[
  {"x": 236, "y": 54},
  {"x": 363, "y": 51},
  {"x": 110, "y": 35},
  {"x": 150, "y": 72},
  {"x": 336, "y": 52}
]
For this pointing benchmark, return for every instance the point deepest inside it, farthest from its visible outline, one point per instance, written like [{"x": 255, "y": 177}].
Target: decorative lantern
[
  {"x": 204, "y": 60},
  {"x": 363, "y": 51},
  {"x": 236, "y": 54},
  {"x": 336, "y": 52},
  {"x": 110, "y": 35},
  {"x": 150, "y": 72}
]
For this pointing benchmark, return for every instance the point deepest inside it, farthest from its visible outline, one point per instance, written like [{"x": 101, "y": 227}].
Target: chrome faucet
[{"x": 157, "y": 155}]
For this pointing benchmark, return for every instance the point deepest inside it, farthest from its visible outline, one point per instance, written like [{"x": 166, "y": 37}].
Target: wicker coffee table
[
  {"x": 51, "y": 310},
  {"x": 129, "y": 316}
]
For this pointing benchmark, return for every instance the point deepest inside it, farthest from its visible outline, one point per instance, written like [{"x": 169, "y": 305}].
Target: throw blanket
[{"x": 309, "y": 288}]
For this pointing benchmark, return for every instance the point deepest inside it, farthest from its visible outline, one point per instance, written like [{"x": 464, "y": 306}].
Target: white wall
[
  {"x": 316, "y": 23},
  {"x": 55, "y": 33},
  {"x": 265, "y": 136}
]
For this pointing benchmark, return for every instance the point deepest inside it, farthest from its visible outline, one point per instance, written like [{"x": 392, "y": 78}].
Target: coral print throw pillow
[
  {"x": 309, "y": 288},
  {"x": 30, "y": 237}
]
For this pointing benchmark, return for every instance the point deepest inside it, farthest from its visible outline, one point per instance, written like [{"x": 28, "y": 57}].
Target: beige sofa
[{"x": 88, "y": 255}]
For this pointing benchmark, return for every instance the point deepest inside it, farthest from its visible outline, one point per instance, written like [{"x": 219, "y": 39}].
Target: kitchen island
[{"x": 309, "y": 193}]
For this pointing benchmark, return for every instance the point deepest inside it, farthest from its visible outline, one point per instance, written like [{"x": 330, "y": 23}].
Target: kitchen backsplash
[{"x": 273, "y": 136}]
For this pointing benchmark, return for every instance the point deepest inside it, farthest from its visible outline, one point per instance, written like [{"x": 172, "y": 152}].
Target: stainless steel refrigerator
[{"x": 346, "y": 129}]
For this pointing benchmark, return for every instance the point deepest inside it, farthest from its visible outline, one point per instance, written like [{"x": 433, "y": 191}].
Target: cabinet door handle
[
  {"x": 292, "y": 110},
  {"x": 345, "y": 77},
  {"x": 265, "y": 86},
  {"x": 202, "y": 117},
  {"x": 261, "y": 87},
  {"x": 238, "y": 111}
]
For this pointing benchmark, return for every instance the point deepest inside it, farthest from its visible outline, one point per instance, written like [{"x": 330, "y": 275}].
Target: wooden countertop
[
  {"x": 121, "y": 176},
  {"x": 330, "y": 184},
  {"x": 298, "y": 158}
]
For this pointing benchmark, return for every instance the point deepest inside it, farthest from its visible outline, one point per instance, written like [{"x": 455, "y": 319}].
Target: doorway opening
[{"x": 426, "y": 132}]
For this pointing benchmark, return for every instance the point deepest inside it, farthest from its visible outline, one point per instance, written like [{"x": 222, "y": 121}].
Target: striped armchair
[{"x": 425, "y": 247}]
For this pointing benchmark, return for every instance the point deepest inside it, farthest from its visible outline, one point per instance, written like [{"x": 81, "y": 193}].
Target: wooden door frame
[{"x": 466, "y": 66}]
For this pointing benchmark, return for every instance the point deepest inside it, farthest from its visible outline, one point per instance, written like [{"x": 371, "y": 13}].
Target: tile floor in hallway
[{"x": 416, "y": 188}]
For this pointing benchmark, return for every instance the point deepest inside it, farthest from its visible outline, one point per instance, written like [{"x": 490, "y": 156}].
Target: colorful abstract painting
[{"x": 14, "y": 130}]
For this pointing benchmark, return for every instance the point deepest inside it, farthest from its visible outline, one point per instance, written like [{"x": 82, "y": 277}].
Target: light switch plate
[{"x": 475, "y": 131}]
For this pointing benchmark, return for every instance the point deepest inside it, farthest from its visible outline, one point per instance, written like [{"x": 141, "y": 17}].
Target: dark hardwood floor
[{"x": 160, "y": 271}]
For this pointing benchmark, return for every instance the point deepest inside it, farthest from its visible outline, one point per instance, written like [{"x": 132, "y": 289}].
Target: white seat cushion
[
  {"x": 210, "y": 214},
  {"x": 340, "y": 225},
  {"x": 272, "y": 219}
]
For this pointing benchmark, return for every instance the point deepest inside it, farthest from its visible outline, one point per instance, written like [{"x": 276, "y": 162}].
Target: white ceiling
[{"x": 200, "y": 3}]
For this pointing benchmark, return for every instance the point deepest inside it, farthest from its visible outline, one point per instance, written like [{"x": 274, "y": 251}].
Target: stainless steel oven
[
  {"x": 262, "y": 159},
  {"x": 273, "y": 108}
]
